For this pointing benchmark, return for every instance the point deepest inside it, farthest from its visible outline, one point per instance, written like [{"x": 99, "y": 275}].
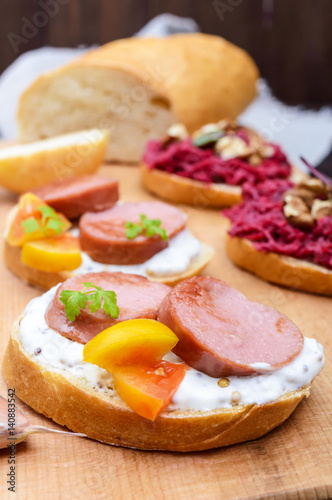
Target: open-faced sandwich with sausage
[
  {"x": 284, "y": 235},
  {"x": 135, "y": 363},
  {"x": 146, "y": 238},
  {"x": 211, "y": 167}
]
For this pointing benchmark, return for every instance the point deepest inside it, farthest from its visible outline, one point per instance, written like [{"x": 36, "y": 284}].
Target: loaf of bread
[{"x": 137, "y": 88}]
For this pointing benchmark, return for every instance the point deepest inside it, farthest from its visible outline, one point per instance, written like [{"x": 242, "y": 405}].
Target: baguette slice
[
  {"x": 46, "y": 280},
  {"x": 280, "y": 269},
  {"x": 24, "y": 167},
  {"x": 178, "y": 189},
  {"x": 69, "y": 401},
  {"x": 137, "y": 88}
]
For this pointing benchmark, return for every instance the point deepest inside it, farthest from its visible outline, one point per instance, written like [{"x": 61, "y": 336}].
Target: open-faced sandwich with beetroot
[
  {"x": 147, "y": 238},
  {"x": 135, "y": 363},
  {"x": 283, "y": 233},
  {"x": 211, "y": 167}
]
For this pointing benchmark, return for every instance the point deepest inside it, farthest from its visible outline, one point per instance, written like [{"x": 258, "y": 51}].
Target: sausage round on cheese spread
[
  {"x": 76, "y": 195},
  {"x": 223, "y": 333},
  {"x": 137, "y": 297},
  {"x": 103, "y": 235}
]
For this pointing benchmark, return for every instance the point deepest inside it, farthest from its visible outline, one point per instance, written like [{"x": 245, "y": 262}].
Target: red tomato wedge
[
  {"x": 28, "y": 208},
  {"x": 148, "y": 389}
]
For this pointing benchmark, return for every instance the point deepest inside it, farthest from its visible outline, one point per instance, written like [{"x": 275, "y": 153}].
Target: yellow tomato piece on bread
[
  {"x": 136, "y": 341},
  {"x": 54, "y": 254},
  {"x": 29, "y": 208},
  {"x": 148, "y": 390}
]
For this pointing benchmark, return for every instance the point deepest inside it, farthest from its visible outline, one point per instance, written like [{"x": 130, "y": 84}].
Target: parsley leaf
[
  {"x": 110, "y": 306},
  {"x": 46, "y": 212},
  {"x": 30, "y": 225},
  {"x": 95, "y": 303},
  {"x": 50, "y": 221},
  {"x": 73, "y": 302},
  {"x": 148, "y": 226},
  {"x": 133, "y": 230},
  {"x": 55, "y": 225},
  {"x": 95, "y": 299}
]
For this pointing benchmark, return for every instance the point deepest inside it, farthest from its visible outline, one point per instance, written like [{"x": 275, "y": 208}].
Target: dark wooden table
[{"x": 291, "y": 41}]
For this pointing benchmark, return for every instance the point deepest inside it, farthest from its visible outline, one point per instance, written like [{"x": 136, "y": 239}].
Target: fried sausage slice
[{"x": 223, "y": 333}]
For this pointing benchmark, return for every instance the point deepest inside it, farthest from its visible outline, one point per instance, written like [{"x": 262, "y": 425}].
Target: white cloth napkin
[{"x": 299, "y": 131}]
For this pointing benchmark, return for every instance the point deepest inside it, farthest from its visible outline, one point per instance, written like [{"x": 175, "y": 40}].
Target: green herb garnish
[
  {"x": 50, "y": 221},
  {"x": 30, "y": 225},
  {"x": 149, "y": 227},
  {"x": 96, "y": 299},
  {"x": 208, "y": 139}
]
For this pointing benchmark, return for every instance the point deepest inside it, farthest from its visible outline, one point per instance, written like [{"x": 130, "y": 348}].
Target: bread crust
[
  {"x": 280, "y": 269},
  {"x": 196, "y": 266},
  {"x": 26, "y": 171},
  {"x": 178, "y": 189},
  {"x": 70, "y": 402},
  {"x": 41, "y": 279},
  {"x": 46, "y": 280}
]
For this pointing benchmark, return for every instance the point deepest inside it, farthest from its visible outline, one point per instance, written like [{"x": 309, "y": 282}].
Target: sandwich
[
  {"x": 71, "y": 227},
  {"x": 284, "y": 235},
  {"x": 217, "y": 166},
  {"x": 135, "y": 363}
]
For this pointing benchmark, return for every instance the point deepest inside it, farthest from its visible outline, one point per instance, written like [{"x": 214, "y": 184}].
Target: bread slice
[
  {"x": 178, "y": 189},
  {"x": 196, "y": 266},
  {"x": 69, "y": 401},
  {"x": 41, "y": 279},
  {"x": 45, "y": 280},
  {"x": 279, "y": 269},
  {"x": 24, "y": 167},
  {"x": 137, "y": 88}
]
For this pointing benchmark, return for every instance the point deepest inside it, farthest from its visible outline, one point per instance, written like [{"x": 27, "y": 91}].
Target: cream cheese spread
[
  {"x": 176, "y": 258},
  {"x": 197, "y": 391}
]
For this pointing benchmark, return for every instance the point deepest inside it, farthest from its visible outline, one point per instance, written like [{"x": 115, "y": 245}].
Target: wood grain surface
[{"x": 292, "y": 462}]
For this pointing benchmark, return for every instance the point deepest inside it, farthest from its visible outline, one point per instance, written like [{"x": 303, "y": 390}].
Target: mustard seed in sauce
[
  {"x": 236, "y": 397},
  {"x": 223, "y": 382}
]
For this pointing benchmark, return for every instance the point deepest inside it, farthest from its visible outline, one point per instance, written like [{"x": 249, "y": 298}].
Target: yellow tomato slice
[
  {"x": 136, "y": 341},
  {"x": 27, "y": 208},
  {"x": 148, "y": 390},
  {"x": 54, "y": 254}
]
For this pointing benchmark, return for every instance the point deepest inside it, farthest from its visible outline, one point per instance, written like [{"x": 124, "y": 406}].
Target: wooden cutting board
[{"x": 292, "y": 462}]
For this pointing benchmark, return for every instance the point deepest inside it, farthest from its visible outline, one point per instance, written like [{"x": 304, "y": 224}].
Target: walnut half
[
  {"x": 231, "y": 146},
  {"x": 297, "y": 212},
  {"x": 316, "y": 186},
  {"x": 321, "y": 208},
  {"x": 176, "y": 132}
]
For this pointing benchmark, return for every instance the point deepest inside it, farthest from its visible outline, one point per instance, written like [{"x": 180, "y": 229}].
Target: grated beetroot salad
[
  {"x": 262, "y": 221},
  {"x": 273, "y": 189},
  {"x": 203, "y": 164}
]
